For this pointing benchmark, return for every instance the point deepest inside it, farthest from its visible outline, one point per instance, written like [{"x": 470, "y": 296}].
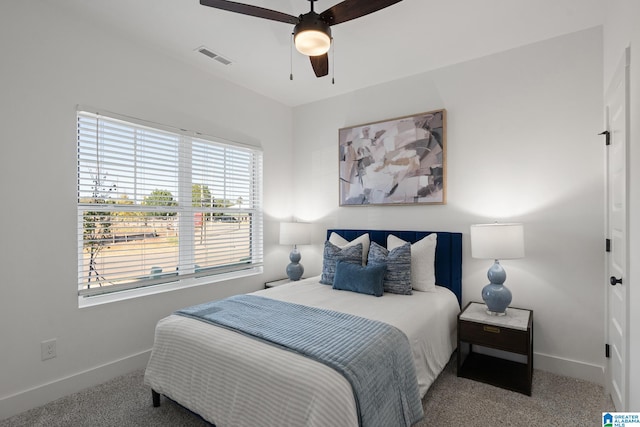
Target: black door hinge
[
  {"x": 607, "y": 245},
  {"x": 607, "y": 134},
  {"x": 606, "y": 351}
]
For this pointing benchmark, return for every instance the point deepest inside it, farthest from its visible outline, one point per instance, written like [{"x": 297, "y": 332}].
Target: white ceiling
[{"x": 407, "y": 38}]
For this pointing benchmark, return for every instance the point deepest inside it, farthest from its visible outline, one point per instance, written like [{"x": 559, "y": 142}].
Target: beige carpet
[
  {"x": 451, "y": 401},
  {"x": 555, "y": 401}
]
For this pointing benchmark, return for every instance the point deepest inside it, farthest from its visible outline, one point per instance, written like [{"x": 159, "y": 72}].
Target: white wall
[
  {"x": 621, "y": 30},
  {"x": 521, "y": 146},
  {"x": 51, "y": 62}
]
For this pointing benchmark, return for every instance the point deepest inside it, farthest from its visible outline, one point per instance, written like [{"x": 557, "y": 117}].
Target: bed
[{"x": 231, "y": 379}]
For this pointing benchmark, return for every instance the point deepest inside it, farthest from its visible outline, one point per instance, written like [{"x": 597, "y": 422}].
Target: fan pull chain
[
  {"x": 291, "y": 57},
  {"x": 333, "y": 62}
]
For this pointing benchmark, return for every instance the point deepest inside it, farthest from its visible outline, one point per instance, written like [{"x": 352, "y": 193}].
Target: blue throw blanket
[{"x": 373, "y": 356}]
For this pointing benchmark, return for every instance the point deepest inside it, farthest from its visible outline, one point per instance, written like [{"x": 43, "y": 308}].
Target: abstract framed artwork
[{"x": 401, "y": 161}]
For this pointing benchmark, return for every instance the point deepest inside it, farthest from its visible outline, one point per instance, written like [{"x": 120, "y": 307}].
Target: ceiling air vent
[{"x": 211, "y": 54}]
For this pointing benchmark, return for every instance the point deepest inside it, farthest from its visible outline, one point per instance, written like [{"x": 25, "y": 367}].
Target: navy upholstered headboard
[{"x": 448, "y": 252}]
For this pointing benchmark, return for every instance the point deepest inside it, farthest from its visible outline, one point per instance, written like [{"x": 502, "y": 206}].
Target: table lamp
[
  {"x": 295, "y": 233},
  {"x": 497, "y": 241}
]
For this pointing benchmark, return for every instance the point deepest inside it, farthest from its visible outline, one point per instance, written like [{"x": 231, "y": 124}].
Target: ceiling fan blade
[
  {"x": 320, "y": 65},
  {"x": 247, "y": 9},
  {"x": 352, "y": 9}
]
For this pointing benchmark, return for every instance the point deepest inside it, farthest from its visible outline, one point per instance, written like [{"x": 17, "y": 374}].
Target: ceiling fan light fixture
[
  {"x": 311, "y": 35},
  {"x": 312, "y": 42}
]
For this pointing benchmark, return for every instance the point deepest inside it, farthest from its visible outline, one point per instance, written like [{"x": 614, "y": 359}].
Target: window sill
[{"x": 90, "y": 301}]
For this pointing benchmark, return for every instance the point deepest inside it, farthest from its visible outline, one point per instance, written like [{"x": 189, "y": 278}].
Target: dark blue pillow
[
  {"x": 333, "y": 254},
  {"x": 397, "y": 279},
  {"x": 358, "y": 278}
]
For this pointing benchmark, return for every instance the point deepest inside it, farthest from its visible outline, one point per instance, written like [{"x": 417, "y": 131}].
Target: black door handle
[{"x": 614, "y": 281}]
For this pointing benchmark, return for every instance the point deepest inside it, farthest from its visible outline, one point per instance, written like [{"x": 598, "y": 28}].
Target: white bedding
[{"x": 233, "y": 380}]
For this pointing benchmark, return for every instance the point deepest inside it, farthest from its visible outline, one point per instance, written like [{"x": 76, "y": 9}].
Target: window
[{"x": 158, "y": 206}]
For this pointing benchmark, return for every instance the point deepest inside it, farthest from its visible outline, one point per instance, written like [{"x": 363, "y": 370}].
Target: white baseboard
[
  {"x": 554, "y": 364},
  {"x": 45, "y": 393},
  {"x": 569, "y": 368}
]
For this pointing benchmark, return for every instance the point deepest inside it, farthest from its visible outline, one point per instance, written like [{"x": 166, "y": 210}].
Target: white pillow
[
  {"x": 340, "y": 242},
  {"x": 423, "y": 260}
]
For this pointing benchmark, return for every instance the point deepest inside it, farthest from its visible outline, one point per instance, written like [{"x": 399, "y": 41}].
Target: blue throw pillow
[
  {"x": 333, "y": 254},
  {"x": 358, "y": 278},
  {"x": 397, "y": 278}
]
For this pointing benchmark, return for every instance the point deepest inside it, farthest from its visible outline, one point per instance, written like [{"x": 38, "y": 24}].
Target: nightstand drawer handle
[{"x": 491, "y": 329}]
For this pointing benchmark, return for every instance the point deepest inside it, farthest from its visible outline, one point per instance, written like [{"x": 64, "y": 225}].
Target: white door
[{"x": 616, "y": 111}]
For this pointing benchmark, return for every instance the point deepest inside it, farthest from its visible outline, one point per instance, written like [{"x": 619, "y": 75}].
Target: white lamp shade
[
  {"x": 312, "y": 42},
  {"x": 497, "y": 241},
  {"x": 295, "y": 233}
]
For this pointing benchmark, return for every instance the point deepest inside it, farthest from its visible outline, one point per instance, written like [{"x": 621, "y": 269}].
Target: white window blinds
[{"x": 156, "y": 206}]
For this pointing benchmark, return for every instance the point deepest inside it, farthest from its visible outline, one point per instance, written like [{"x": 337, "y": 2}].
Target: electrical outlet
[{"x": 48, "y": 349}]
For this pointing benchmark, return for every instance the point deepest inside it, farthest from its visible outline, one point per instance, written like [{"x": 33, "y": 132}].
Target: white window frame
[{"x": 186, "y": 278}]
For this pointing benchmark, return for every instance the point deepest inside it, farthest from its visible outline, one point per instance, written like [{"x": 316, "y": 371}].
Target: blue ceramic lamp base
[
  {"x": 295, "y": 269},
  {"x": 496, "y": 296}
]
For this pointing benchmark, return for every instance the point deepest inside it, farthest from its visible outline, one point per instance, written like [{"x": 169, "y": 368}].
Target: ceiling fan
[{"x": 312, "y": 32}]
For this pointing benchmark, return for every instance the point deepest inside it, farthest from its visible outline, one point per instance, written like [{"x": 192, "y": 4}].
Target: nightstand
[
  {"x": 278, "y": 282},
  {"x": 512, "y": 333}
]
